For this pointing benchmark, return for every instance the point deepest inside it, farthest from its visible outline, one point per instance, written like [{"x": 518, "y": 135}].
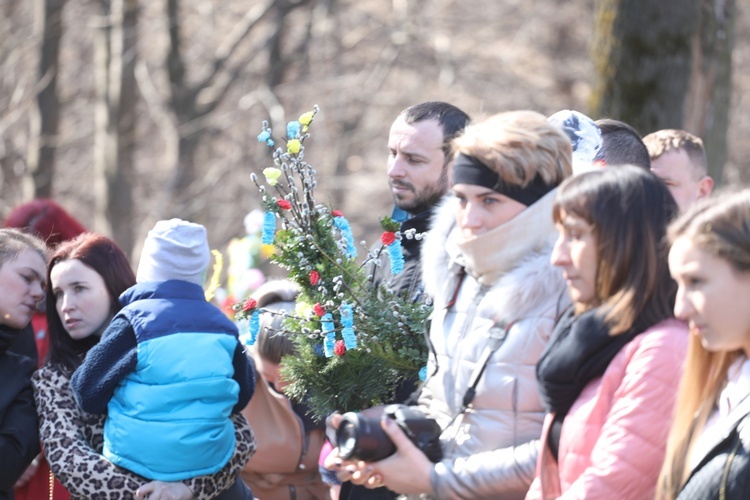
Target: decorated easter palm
[{"x": 356, "y": 342}]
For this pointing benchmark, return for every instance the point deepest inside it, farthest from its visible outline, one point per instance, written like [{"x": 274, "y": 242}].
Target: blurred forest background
[{"x": 128, "y": 111}]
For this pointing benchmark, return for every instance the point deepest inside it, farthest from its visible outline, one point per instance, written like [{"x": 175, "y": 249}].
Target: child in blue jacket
[{"x": 169, "y": 370}]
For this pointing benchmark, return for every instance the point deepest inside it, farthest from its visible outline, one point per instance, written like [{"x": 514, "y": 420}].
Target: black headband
[{"x": 469, "y": 170}]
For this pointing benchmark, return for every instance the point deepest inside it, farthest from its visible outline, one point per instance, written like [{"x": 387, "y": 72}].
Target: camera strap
[{"x": 497, "y": 335}]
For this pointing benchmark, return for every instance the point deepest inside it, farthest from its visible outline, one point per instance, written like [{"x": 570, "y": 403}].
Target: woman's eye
[{"x": 57, "y": 294}]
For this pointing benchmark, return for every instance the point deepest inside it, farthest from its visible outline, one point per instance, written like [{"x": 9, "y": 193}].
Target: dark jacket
[
  {"x": 19, "y": 434},
  {"x": 727, "y": 466}
]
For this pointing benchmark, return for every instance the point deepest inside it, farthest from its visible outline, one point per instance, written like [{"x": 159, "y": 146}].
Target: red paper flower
[
  {"x": 284, "y": 204},
  {"x": 337, "y": 213},
  {"x": 318, "y": 309},
  {"x": 388, "y": 237},
  {"x": 249, "y": 305},
  {"x": 314, "y": 277},
  {"x": 339, "y": 348}
]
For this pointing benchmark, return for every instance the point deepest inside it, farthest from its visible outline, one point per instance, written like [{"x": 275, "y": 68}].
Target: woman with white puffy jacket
[{"x": 496, "y": 296}]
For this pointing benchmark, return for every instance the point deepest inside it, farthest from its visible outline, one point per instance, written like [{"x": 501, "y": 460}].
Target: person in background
[
  {"x": 622, "y": 144},
  {"x": 609, "y": 372},
  {"x": 22, "y": 264},
  {"x": 418, "y": 168},
  {"x": 678, "y": 159},
  {"x": 50, "y": 222},
  {"x": 86, "y": 276},
  {"x": 497, "y": 298},
  {"x": 708, "y": 452},
  {"x": 419, "y": 159},
  {"x": 169, "y": 370},
  {"x": 288, "y": 441}
]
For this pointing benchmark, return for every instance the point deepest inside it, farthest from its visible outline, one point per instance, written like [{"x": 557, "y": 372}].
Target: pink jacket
[{"x": 613, "y": 438}]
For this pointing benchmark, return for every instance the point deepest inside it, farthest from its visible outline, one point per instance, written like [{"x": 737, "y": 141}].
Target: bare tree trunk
[
  {"x": 666, "y": 64},
  {"x": 709, "y": 92},
  {"x": 46, "y": 116},
  {"x": 116, "y": 117}
]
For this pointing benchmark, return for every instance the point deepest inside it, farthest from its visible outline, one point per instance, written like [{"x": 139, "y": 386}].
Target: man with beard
[{"x": 419, "y": 158}]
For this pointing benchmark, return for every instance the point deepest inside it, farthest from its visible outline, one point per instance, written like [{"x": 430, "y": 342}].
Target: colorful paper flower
[
  {"x": 284, "y": 204},
  {"x": 388, "y": 237},
  {"x": 249, "y": 304},
  {"x": 423, "y": 373},
  {"x": 346, "y": 231},
  {"x": 314, "y": 277},
  {"x": 337, "y": 213},
  {"x": 265, "y": 136},
  {"x": 306, "y": 118},
  {"x": 254, "y": 327},
  {"x": 330, "y": 334},
  {"x": 396, "y": 256},
  {"x": 318, "y": 309},
  {"x": 293, "y": 146},
  {"x": 339, "y": 348},
  {"x": 269, "y": 228},
  {"x": 272, "y": 175},
  {"x": 292, "y": 130},
  {"x": 347, "y": 321}
]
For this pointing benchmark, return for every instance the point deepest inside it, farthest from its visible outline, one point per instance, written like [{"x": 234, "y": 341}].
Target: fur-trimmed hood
[{"x": 515, "y": 292}]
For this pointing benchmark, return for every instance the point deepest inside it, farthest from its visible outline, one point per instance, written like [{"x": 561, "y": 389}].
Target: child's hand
[{"x": 159, "y": 490}]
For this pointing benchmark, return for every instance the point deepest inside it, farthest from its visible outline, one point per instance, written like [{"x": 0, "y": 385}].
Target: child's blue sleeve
[
  {"x": 106, "y": 364},
  {"x": 243, "y": 374}
]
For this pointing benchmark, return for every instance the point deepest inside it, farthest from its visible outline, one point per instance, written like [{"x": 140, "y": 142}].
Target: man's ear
[{"x": 705, "y": 186}]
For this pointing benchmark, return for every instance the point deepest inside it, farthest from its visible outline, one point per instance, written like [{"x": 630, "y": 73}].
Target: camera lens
[{"x": 362, "y": 438}]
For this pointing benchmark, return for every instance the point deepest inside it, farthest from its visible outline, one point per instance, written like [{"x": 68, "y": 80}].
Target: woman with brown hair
[
  {"x": 607, "y": 377},
  {"x": 708, "y": 450},
  {"x": 86, "y": 276}
]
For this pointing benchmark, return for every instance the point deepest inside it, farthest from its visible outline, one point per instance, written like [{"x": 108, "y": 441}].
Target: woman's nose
[
  {"x": 37, "y": 292},
  {"x": 560, "y": 253},
  {"x": 683, "y": 309}
]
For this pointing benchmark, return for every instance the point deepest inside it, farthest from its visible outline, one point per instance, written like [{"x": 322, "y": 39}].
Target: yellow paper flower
[
  {"x": 213, "y": 285},
  {"x": 306, "y": 118},
  {"x": 266, "y": 251},
  {"x": 303, "y": 309},
  {"x": 272, "y": 175},
  {"x": 293, "y": 146}
]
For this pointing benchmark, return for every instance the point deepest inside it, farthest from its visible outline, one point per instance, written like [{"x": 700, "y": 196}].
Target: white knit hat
[{"x": 174, "y": 250}]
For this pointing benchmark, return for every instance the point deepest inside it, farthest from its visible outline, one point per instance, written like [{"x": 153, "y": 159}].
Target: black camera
[{"x": 361, "y": 438}]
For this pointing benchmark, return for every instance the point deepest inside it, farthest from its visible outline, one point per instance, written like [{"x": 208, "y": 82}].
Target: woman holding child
[{"x": 86, "y": 277}]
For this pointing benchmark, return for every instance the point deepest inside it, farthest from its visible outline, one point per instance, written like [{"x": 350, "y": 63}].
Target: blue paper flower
[
  {"x": 269, "y": 228},
  {"x": 293, "y": 130},
  {"x": 330, "y": 330},
  {"x": 396, "y": 257},
  {"x": 423, "y": 374},
  {"x": 265, "y": 136},
  {"x": 254, "y": 327},
  {"x": 347, "y": 332},
  {"x": 346, "y": 231}
]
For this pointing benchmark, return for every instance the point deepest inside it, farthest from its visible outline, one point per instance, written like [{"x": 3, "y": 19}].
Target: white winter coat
[{"x": 490, "y": 451}]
